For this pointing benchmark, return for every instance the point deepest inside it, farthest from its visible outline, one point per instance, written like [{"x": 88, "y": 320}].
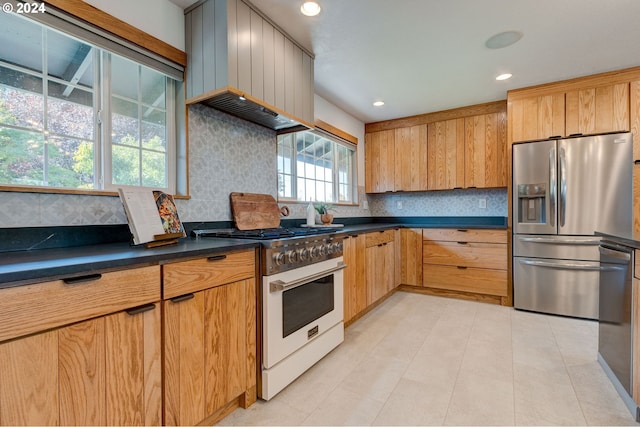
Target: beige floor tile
[
  {"x": 415, "y": 403},
  {"x": 426, "y": 360},
  {"x": 481, "y": 400},
  {"x": 344, "y": 407}
]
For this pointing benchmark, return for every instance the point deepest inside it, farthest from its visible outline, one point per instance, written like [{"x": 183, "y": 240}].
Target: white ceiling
[{"x": 421, "y": 56}]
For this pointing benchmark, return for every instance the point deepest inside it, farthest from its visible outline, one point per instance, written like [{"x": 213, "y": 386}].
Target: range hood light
[
  {"x": 310, "y": 8},
  {"x": 242, "y": 98}
]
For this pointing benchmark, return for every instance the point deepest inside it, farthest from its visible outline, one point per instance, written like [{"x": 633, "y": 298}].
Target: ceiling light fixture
[
  {"x": 310, "y": 8},
  {"x": 504, "y": 39},
  {"x": 378, "y": 103},
  {"x": 504, "y": 76}
]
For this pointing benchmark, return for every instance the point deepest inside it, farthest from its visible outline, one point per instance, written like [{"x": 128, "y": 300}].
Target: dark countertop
[
  {"x": 22, "y": 267},
  {"x": 631, "y": 240},
  {"x": 25, "y": 267}
]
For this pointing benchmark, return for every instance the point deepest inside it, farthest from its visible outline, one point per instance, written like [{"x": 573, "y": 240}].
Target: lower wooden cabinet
[
  {"x": 209, "y": 343},
  {"x": 355, "y": 290},
  {"x": 104, "y": 371},
  {"x": 380, "y": 264},
  {"x": 469, "y": 263},
  {"x": 409, "y": 256}
]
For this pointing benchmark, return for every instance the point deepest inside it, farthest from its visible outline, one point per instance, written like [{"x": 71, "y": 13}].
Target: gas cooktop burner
[{"x": 263, "y": 233}]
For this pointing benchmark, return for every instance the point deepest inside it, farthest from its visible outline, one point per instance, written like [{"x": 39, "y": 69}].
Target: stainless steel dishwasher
[{"x": 615, "y": 327}]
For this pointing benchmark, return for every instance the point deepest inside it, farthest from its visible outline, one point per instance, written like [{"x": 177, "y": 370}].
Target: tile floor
[{"x": 423, "y": 360}]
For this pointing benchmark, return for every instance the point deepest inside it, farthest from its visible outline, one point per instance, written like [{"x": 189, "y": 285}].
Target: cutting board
[{"x": 252, "y": 211}]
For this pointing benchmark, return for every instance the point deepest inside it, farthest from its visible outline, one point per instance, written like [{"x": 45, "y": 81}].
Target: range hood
[{"x": 232, "y": 101}]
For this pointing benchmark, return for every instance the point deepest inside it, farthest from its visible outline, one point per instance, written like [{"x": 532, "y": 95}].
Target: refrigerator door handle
[
  {"x": 569, "y": 266},
  {"x": 563, "y": 187},
  {"x": 585, "y": 242},
  {"x": 552, "y": 186}
]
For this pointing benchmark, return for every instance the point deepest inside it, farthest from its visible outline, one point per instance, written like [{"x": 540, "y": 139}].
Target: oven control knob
[
  {"x": 315, "y": 251},
  {"x": 278, "y": 259},
  {"x": 339, "y": 247},
  {"x": 324, "y": 250},
  {"x": 292, "y": 256},
  {"x": 330, "y": 248},
  {"x": 303, "y": 254}
]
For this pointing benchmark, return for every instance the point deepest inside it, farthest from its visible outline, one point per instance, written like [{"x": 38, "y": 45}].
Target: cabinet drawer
[
  {"x": 465, "y": 235},
  {"x": 476, "y": 280},
  {"x": 192, "y": 276},
  {"x": 378, "y": 238},
  {"x": 480, "y": 255},
  {"x": 33, "y": 308}
]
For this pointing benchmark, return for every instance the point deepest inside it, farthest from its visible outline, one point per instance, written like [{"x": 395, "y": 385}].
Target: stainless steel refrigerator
[{"x": 563, "y": 191}]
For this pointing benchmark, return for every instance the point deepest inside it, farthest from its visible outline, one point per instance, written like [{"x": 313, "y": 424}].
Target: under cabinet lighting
[{"x": 310, "y": 8}]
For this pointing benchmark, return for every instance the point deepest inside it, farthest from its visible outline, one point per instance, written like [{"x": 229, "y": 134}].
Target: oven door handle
[{"x": 279, "y": 285}]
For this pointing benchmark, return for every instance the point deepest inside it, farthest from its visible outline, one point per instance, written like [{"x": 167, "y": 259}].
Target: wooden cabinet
[
  {"x": 209, "y": 337},
  {"x": 536, "y": 117},
  {"x": 584, "y": 110},
  {"x": 410, "y": 159},
  {"x": 410, "y": 256},
  {"x": 101, "y": 371},
  {"x": 380, "y": 264},
  {"x": 485, "y": 157},
  {"x": 469, "y": 263},
  {"x": 446, "y": 154},
  {"x": 379, "y": 161},
  {"x": 597, "y": 110},
  {"x": 355, "y": 290}
]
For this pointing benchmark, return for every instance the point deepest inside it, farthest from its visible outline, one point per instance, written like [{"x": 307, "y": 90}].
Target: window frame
[
  {"x": 348, "y": 141},
  {"x": 121, "y": 38}
]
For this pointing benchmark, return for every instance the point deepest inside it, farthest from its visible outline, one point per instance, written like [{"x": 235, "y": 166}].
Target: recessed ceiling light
[
  {"x": 378, "y": 103},
  {"x": 504, "y": 39},
  {"x": 310, "y": 8},
  {"x": 504, "y": 76}
]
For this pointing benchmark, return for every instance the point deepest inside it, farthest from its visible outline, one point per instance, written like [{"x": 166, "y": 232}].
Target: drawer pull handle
[
  {"x": 461, "y": 267},
  {"x": 217, "y": 258},
  {"x": 141, "y": 309},
  {"x": 181, "y": 298},
  {"x": 82, "y": 279},
  {"x": 462, "y": 243},
  {"x": 462, "y": 230}
]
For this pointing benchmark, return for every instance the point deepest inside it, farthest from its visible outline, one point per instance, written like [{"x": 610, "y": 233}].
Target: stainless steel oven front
[{"x": 302, "y": 318}]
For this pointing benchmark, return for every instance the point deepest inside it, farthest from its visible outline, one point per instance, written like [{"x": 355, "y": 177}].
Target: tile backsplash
[{"x": 225, "y": 155}]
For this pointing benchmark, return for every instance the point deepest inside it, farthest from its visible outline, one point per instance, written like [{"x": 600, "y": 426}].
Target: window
[
  {"x": 316, "y": 165},
  {"x": 76, "y": 116}
]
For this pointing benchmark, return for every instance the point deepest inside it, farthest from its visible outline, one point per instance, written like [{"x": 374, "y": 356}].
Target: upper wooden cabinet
[
  {"x": 577, "y": 108},
  {"x": 460, "y": 148},
  {"x": 536, "y": 117},
  {"x": 485, "y": 158},
  {"x": 232, "y": 49},
  {"x": 446, "y": 155},
  {"x": 597, "y": 110},
  {"x": 410, "y": 158},
  {"x": 380, "y": 161}
]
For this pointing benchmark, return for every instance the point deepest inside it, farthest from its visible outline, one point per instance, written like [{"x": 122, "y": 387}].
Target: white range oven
[{"x": 301, "y": 300}]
